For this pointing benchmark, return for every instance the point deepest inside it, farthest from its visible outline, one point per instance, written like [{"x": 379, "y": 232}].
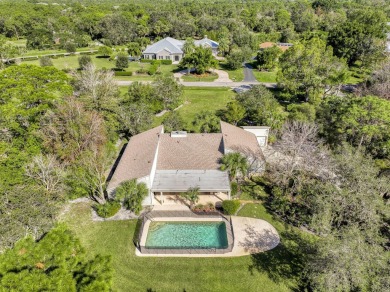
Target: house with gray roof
[
  {"x": 171, "y": 49},
  {"x": 171, "y": 163}
]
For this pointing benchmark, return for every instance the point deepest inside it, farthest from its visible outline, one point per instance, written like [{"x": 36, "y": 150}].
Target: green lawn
[
  {"x": 235, "y": 75},
  {"x": 71, "y": 62},
  {"x": 263, "y": 76},
  {"x": 197, "y": 99},
  {"x": 274, "y": 270}
]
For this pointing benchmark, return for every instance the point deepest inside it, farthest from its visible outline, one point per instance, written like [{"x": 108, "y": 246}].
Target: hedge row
[
  {"x": 162, "y": 62},
  {"x": 123, "y": 73}
]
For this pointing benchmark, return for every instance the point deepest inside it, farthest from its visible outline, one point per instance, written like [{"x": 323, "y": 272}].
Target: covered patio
[{"x": 214, "y": 186}]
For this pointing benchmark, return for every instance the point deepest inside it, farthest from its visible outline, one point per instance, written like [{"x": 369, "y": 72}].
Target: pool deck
[{"x": 250, "y": 236}]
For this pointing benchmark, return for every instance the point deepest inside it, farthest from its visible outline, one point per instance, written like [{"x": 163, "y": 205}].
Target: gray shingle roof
[
  {"x": 170, "y": 44},
  {"x": 206, "y": 41},
  {"x": 196, "y": 151},
  {"x": 137, "y": 159}
]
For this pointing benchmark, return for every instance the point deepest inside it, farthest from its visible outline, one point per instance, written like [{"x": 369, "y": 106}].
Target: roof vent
[{"x": 178, "y": 134}]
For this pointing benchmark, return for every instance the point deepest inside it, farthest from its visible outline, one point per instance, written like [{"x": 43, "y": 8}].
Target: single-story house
[
  {"x": 171, "y": 163},
  {"x": 171, "y": 49},
  {"x": 283, "y": 46}
]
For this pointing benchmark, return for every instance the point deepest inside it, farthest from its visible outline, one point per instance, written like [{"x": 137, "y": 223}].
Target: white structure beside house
[
  {"x": 171, "y": 49},
  {"x": 171, "y": 163}
]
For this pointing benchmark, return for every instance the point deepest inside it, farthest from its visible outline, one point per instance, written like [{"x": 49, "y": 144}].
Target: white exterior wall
[
  {"x": 146, "y": 180},
  {"x": 261, "y": 134},
  {"x": 164, "y": 54}
]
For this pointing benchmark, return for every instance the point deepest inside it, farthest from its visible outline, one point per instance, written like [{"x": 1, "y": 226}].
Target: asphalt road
[
  {"x": 207, "y": 84},
  {"x": 248, "y": 74}
]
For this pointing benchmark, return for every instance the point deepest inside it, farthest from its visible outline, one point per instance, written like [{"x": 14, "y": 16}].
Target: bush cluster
[
  {"x": 230, "y": 207},
  {"x": 108, "y": 209},
  {"x": 162, "y": 62}
]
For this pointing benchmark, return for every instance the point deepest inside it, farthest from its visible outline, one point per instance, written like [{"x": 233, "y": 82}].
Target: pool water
[{"x": 185, "y": 235}]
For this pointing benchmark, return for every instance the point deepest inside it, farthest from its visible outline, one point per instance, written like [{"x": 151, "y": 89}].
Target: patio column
[
  {"x": 229, "y": 195},
  {"x": 161, "y": 198}
]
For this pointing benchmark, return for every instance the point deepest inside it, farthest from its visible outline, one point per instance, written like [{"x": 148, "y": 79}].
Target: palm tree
[
  {"x": 132, "y": 194},
  {"x": 192, "y": 195},
  {"x": 235, "y": 163}
]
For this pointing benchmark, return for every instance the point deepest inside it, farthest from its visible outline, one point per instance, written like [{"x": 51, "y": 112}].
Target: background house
[{"x": 171, "y": 49}]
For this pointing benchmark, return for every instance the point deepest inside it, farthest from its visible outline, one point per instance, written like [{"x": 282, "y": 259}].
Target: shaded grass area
[
  {"x": 133, "y": 273},
  {"x": 235, "y": 75}
]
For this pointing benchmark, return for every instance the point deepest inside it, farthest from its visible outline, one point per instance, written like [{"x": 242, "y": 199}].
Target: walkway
[
  {"x": 223, "y": 76},
  {"x": 248, "y": 74},
  {"x": 251, "y": 236}
]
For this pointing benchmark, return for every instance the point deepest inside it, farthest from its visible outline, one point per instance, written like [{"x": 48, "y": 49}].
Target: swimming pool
[{"x": 187, "y": 235}]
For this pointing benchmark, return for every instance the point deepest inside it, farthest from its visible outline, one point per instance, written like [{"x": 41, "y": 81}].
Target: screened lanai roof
[{"x": 182, "y": 180}]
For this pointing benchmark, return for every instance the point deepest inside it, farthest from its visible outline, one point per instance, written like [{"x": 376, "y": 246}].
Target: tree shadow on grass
[{"x": 285, "y": 262}]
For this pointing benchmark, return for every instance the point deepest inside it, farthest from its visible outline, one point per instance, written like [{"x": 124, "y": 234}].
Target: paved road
[
  {"x": 248, "y": 74},
  {"x": 207, "y": 84}
]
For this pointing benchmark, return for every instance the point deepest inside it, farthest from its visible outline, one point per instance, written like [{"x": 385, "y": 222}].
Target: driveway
[{"x": 248, "y": 74}]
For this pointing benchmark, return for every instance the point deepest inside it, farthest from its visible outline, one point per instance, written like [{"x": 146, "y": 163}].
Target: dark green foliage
[
  {"x": 105, "y": 51},
  {"x": 201, "y": 59},
  {"x": 108, "y": 209},
  {"x": 230, "y": 207},
  {"x": 173, "y": 122},
  {"x": 122, "y": 61},
  {"x": 261, "y": 108},
  {"x": 235, "y": 163},
  {"x": 84, "y": 61},
  {"x": 360, "y": 121},
  {"x": 134, "y": 49},
  {"x": 234, "y": 113},
  {"x": 360, "y": 37},
  {"x": 304, "y": 112},
  {"x": 207, "y": 122},
  {"x": 168, "y": 92},
  {"x": 268, "y": 58},
  {"x": 70, "y": 47},
  {"x": 132, "y": 194},
  {"x": 45, "y": 61},
  {"x": 234, "y": 188},
  {"x": 153, "y": 68},
  {"x": 235, "y": 60},
  {"x": 57, "y": 262}
]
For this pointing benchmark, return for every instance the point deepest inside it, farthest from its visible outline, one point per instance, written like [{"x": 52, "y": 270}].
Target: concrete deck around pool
[{"x": 250, "y": 236}]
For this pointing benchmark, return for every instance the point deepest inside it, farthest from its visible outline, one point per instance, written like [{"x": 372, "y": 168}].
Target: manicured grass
[
  {"x": 269, "y": 271},
  {"x": 197, "y": 99},
  {"x": 235, "y": 75},
  {"x": 200, "y": 78},
  {"x": 263, "y": 76}
]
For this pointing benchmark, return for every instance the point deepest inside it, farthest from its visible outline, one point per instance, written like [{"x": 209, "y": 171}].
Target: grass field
[
  {"x": 197, "y": 99},
  {"x": 275, "y": 270},
  {"x": 71, "y": 62},
  {"x": 263, "y": 76}
]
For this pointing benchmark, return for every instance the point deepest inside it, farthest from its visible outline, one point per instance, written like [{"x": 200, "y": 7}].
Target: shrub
[
  {"x": 70, "y": 47},
  {"x": 147, "y": 61},
  {"x": 230, "y": 207},
  {"x": 108, "y": 209},
  {"x": 153, "y": 69},
  {"x": 166, "y": 62},
  {"x": 84, "y": 61},
  {"x": 142, "y": 71},
  {"x": 122, "y": 61},
  {"x": 234, "y": 188},
  {"x": 45, "y": 61}
]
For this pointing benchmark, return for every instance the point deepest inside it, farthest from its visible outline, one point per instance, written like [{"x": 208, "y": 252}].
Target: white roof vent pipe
[{"x": 178, "y": 134}]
